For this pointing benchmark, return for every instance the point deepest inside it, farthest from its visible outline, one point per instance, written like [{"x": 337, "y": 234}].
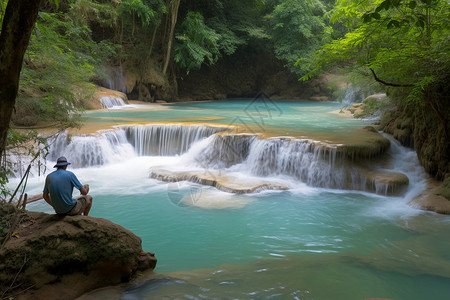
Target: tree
[
  {"x": 19, "y": 19},
  {"x": 173, "y": 12},
  {"x": 296, "y": 28},
  {"x": 401, "y": 43},
  {"x": 404, "y": 46}
]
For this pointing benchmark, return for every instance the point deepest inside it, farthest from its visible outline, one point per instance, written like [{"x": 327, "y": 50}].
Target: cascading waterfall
[
  {"x": 167, "y": 139},
  {"x": 128, "y": 141},
  {"x": 223, "y": 151},
  {"x": 314, "y": 164},
  {"x": 109, "y": 102},
  {"x": 92, "y": 150},
  {"x": 311, "y": 162}
]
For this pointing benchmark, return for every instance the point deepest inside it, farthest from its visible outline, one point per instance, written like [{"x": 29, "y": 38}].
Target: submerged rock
[
  {"x": 62, "y": 257},
  {"x": 215, "y": 179}
]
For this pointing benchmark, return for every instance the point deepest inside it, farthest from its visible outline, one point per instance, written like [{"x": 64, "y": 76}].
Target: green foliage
[
  {"x": 196, "y": 44},
  {"x": 23, "y": 148},
  {"x": 238, "y": 23},
  {"x": 296, "y": 28},
  {"x": 137, "y": 8},
  {"x": 85, "y": 12},
  {"x": 57, "y": 67},
  {"x": 371, "y": 105},
  {"x": 445, "y": 189},
  {"x": 405, "y": 43},
  {"x": 229, "y": 41}
]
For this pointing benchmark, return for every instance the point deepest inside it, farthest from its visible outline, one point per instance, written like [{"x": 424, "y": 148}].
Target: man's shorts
[{"x": 80, "y": 207}]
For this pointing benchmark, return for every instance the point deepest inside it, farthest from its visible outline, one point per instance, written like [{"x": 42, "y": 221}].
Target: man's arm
[
  {"x": 84, "y": 190},
  {"x": 47, "y": 198}
]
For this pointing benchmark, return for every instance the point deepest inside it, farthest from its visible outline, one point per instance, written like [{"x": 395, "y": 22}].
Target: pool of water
[
  {"x": 259, "y": 115},
  {"x": 301, "y": 243}
]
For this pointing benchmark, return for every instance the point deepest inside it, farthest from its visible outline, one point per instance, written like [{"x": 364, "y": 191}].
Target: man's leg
[{"x": 89, "y": 205}]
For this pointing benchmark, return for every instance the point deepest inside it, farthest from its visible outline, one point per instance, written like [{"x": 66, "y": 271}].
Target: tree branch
[{"x": 388, "y": 83}]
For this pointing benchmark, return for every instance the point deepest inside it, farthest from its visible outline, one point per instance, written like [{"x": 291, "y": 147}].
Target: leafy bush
[{"x": 196, "y": 44}]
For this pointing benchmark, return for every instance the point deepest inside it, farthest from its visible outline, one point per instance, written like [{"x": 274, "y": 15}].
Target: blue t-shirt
[{"x": 59, "y": 184}]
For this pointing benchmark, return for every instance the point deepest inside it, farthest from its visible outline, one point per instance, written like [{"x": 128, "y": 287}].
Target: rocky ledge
[
  {"x": 63, "y": 257},
  {"x": 220, "y": 180}
]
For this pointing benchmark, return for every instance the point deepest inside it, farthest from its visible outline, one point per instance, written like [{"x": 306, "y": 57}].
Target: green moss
[
  {"x": 371, "y": 105},
  {"x": 445, "y": 189}
]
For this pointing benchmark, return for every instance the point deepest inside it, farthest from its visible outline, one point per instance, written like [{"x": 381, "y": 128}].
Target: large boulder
[{"x": 62, "y": 257}]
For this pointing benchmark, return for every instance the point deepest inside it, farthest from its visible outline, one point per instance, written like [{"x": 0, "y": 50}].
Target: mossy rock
[
  {"x": 371, "y": 145},
  {"x": 371, "y": 105},
  {"x": 445, "y": 189}
]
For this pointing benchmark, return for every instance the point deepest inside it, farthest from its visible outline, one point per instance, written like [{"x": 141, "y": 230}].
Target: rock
[
  {"x": 218, "y": 180},
  {"x": 320, "y": 98},
  {"x": 220, "y": 96},
  {"x": 373, "y": 144},
  {"x": 65, "y": 256},
  {"x": 424, "y": 129},
  {"x": 356, "y": 108},
  {"x": 385, "y": 183},
  {"x": 432, "y": 199}
]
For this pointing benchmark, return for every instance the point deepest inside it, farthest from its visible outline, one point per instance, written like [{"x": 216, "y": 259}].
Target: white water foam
[
  {"x": 112, "y": 102},
  {"x": 402, "y": 160},
  {"x": 287, "y": 161},
  {"x": 92, "y": 150}
]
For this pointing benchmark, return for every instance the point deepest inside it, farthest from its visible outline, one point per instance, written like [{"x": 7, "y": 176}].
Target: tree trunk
[
  {"x": 18, "y": 23},
  {"x": 174, "y": 4}
]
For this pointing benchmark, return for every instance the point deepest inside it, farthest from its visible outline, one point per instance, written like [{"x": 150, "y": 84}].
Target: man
[{"x": 58, "y": 191}]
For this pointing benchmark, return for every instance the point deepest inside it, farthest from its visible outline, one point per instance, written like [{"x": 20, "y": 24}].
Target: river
[{"x": 307, "y": 239}]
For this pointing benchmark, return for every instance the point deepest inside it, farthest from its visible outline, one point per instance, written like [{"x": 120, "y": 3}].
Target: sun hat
[{"x": 62, "y": 161}]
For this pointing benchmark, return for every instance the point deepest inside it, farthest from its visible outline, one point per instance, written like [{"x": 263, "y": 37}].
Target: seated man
[{"x": 58, "y": 191}]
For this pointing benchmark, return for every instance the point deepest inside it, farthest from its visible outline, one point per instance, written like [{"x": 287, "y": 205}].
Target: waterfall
[
  {"x": 303, "y": 160},
  {"x": 91, "y": 150},
  {"x": 223, "y": 151},
  {"x": 352, "y": 95},
  {"x": 203, "y": 146},
  {"x": 115, "y": 80},
  {"x": 315, "y": 163},
  {"x": 167, "y": 139},
  {"x": 312, "y": 164},
  {"x": 128, "y": 141},
  {"x": 109, "y": 102}
]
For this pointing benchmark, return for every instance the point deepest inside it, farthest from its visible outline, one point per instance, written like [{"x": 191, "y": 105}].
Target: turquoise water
[
  {"x": 253, "y": 115},
  {"x": 303, "y": 243}
]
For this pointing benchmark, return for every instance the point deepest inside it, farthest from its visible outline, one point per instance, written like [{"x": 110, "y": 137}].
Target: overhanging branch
[{"x": 388, "y": 83}]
